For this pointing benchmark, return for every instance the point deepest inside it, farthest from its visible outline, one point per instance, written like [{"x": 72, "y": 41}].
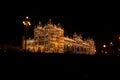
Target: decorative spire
[
  {"x": 40, "y": 23},
  {"x": 50, "y": 21},
  {"x": 59, "y": 25},
  {"x": 80, "y": 36},
  {"x": 75, "y": 34}
]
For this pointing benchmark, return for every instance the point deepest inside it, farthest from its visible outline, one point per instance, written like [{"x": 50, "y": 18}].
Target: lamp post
[
  {"x": 26, "y": 23},
  {"x": 119, "y": 37},
  {"x": 104, "y": 49},
  {"x": 104, "y": 46}
]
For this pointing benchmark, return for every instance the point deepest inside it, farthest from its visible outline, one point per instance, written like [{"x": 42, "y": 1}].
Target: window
[
  {"x": 35, "y": 38},
  {"x": 41, "y": 43}
]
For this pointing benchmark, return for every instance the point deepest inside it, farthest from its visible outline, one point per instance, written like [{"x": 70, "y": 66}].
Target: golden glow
[
  {"x": 104, "y": 45},
  {"x": 56, "y": 42},
  {"x": 29, "y": 23},
  {"x": 26, "y": 23}
]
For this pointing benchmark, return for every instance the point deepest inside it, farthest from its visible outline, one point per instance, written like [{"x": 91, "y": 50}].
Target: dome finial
[
  {"x": 39, "y": 22},
  {"x": 58, "y": 24},
  {"x": 50, "y": 21}
]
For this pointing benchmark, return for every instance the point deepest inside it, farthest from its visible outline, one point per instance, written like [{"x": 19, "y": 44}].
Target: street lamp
[
  {"x": 104, "y": 45},
  {"x": 119, "y": 37},
  {"x": 104, "y": 49},
  {"x": 26, "y": 23},
  {"x": 111, "y": 44}
]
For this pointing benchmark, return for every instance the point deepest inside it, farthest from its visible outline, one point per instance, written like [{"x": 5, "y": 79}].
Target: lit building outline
[{"x": 50, "y": 38}]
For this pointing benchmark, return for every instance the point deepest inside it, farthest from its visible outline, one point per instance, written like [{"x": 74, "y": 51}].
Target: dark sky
[{"x": 99, "y": 21}]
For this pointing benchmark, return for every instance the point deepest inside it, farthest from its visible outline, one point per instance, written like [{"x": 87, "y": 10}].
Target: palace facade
[{"x": 50, "y": 38}]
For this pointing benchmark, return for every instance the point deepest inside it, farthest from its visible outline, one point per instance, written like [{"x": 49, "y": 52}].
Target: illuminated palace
[{"x": 50, "y": 38}]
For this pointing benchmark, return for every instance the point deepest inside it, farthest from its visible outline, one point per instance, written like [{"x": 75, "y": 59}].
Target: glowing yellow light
[
  {"x": 29, "y": 23},
  {"x": 27, "y": 17},
  {"x": 24, "y": 22},
  {"x": 104, "y": 46},
  {"x": 56, "y": 44}
]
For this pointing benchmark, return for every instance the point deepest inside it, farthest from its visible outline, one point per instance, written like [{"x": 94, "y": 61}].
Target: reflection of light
[
  {"x": 119, "y": 37},
  {"x": 27, "y": 23},
  {"x": 56, "y": 41}
]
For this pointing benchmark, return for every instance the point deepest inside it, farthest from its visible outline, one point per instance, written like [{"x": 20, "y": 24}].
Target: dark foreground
[{"x": 86, "y": 65}]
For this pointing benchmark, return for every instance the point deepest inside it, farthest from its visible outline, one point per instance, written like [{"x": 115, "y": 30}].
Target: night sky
[{"x": 99, "y": 21}]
